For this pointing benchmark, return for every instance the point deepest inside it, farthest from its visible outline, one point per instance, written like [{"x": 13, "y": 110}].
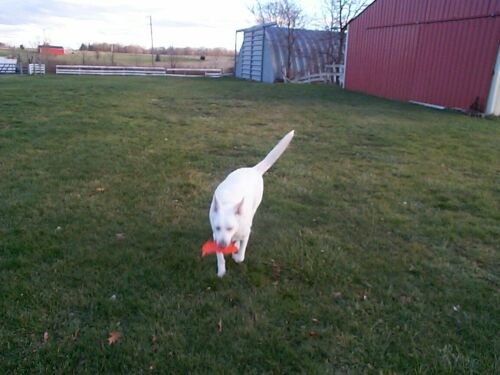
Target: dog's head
[{"x": 224, "y": 220}]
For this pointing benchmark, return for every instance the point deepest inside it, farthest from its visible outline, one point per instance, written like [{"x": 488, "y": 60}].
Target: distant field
[
  {"x": 106, "y": 58},
  {"x": 375, "y": 249},
  {"x": 127, "y": 59}
]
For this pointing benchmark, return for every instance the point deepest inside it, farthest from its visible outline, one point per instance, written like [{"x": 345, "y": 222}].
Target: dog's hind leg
[
  {"x": 221, "y": 265},
  {"x": 240, "y": 255}
]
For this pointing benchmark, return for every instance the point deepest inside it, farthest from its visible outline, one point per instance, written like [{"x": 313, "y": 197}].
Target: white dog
[{"x": 235, "y": 202}]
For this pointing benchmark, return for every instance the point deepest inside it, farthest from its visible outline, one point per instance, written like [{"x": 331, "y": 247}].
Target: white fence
[
  {"x": 312, "y": 78},
  {"x": 36, "y": 69},
  {"x": 192, "y": 72},
  {"x": 337, "y": 73},
  {"x": 7, "y": 68},
  {"x": 334, "y": 74},
  {"x": 137, "y": 71},
  {"x": 109, "y": 70}
]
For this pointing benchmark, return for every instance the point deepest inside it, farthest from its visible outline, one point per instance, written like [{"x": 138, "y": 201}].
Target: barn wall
[
  {"x": 268, "y": 74},
  {"x": 249, "y": 62},
  {"x": 433, "y": 51},
  {"x": 51, "y": 51}
]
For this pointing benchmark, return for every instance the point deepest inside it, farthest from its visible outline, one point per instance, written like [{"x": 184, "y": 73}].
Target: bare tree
[
  {"x": 337, "y": 14},
  {"x": 285, "y": 13}
]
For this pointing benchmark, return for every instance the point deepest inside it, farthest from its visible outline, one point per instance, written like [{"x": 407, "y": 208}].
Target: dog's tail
[{"x": 275, "y": 153}]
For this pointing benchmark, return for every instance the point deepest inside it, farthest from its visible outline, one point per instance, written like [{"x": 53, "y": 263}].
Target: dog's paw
[
  {"x": 238, "y": 257},
  {"x": 221, "y": 273}
]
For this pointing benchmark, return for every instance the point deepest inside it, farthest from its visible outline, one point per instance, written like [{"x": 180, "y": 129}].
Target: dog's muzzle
[{"x": 222, "y": 244}]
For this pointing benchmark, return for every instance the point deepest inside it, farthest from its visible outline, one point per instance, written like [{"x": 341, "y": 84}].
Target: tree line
[
  {"x": 184, "y": 51},
  {"x": 288, "y": 14}
]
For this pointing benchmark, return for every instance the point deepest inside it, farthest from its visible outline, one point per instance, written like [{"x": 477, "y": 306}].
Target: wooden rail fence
[
  {"x": 333, "y": 74},
  {"x": 7, "y": 68},
  {"x": 137, "y": 71},
  {"x": 36, "y": 69},
  {"x": 110, "y": 70},
  {"x": 192, "y": 72}
]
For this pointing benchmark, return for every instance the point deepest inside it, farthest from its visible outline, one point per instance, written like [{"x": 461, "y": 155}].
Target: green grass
[{"x": 381, "y": 221}]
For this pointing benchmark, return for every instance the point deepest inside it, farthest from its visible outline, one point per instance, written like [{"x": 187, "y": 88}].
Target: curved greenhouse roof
[{"x": 264, "y": 52}]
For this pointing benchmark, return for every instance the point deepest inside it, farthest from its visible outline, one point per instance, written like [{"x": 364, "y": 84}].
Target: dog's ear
[
  {"x": 238, "y": 207},
  {"x": 216, "y": 205}
]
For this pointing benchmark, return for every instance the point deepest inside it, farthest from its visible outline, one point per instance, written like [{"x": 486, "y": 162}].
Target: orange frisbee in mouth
[{"x": 210, "y": 247}]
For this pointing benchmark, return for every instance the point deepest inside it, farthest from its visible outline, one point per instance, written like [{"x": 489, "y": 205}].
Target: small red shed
[
  {"x": 439, "y": 52},
  {"x": 50, "y": 50}
]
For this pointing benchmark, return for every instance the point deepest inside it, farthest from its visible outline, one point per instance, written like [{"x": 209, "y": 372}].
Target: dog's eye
[{"x": 217, "y": 229}]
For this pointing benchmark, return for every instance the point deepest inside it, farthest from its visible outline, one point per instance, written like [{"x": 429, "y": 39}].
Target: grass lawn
[{"x": 375, "y": 249}]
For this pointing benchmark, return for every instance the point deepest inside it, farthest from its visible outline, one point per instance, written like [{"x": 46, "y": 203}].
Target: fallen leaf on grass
[
  {"x": 120, "y": 236},
  {"x": 74, "y": 336},
  {"x": 313, "y": 334},
  {"x": 154, "y": 345},
  {"x": 276, "y": 270},
  {"x": 405, "y": 300},
  {"x": 100, "y": 189},
  {"x": 315, "y": 321},
  {"x": 219, "y": 325},
  {"x": 114, "y": 337},
  {"x": 45, "y": 337}
]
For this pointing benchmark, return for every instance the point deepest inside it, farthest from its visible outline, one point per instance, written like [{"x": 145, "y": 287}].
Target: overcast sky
[{"x": 180, "y": 23}]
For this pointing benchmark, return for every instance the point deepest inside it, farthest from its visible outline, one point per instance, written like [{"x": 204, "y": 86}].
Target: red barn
[
  {"x": 51, "y": 50},
  {"x": 439, "y": 52}
]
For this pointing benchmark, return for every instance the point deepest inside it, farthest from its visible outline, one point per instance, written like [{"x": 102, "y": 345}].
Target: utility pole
[{"x": 151, "y": 29}]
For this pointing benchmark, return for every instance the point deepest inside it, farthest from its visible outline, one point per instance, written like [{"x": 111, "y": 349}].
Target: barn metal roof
[
  {"x": 264, "y": 52},
  {"x": 257, "y": 27}
]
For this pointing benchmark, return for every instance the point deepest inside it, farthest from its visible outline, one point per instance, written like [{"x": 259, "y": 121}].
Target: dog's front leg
[
  {"x": 240, "y": 255},
  {"x": 221, "y": 265}
]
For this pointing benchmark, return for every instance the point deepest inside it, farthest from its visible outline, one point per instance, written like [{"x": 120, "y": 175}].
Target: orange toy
[{"x": 211, "y": 247}]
